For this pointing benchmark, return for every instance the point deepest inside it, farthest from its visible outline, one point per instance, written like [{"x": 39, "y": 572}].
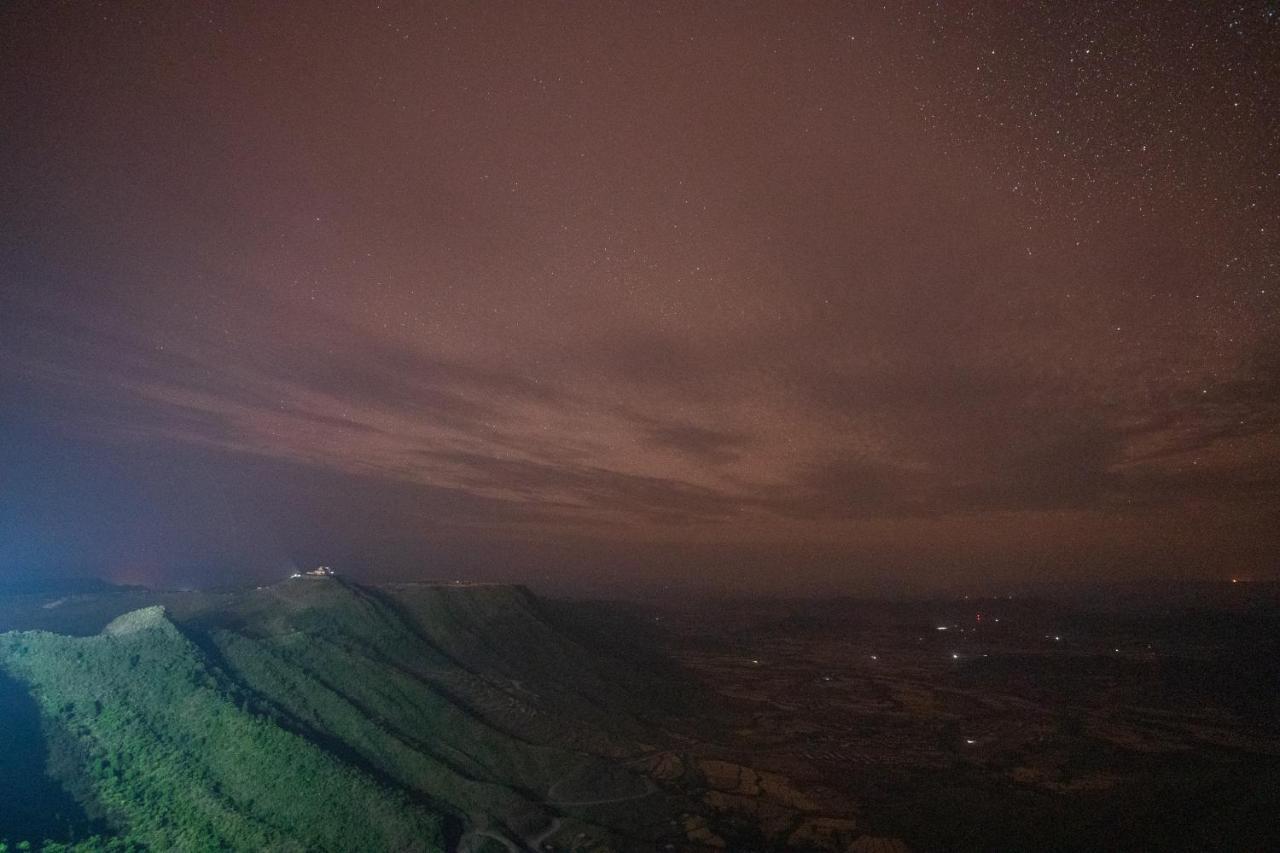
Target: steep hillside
[
  {"x": 320, "y": 714},
  {"x": 449, "y": 726},
  {"x": 449, "y": 715},
  {"x": 173, "y": 758}
]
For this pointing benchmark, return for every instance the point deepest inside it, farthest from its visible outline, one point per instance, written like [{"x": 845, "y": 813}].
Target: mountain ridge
[{"x": 464, "y": 706}]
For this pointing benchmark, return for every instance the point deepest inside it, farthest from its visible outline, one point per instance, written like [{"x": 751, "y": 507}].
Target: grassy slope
[{"x": 441, "y": 703}]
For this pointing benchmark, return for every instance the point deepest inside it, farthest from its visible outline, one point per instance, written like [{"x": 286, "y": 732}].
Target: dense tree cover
[{"x": 180, "y": 760}]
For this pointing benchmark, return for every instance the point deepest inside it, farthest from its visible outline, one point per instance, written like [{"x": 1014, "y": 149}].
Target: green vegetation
[
  {"x": 179, "y": 762},
  {"x": 315, "y": 714}
]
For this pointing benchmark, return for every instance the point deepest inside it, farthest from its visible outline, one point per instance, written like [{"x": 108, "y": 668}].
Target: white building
[{"x": 317, "y": 572}]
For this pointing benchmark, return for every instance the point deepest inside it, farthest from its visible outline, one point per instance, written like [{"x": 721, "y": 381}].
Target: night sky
[{"x": 764, "y": 296}]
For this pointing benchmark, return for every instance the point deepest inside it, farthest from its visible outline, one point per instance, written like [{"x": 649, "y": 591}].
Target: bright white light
[
  {"x": 970, "y": 741},
  {"x": 875, "y": 657},
  {"x": 955, "y": 656},
  {"x": 942, "y": 627}
]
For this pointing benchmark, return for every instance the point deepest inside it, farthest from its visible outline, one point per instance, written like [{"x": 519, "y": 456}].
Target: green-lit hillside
[
  {"x": 316, "y": 714},
  {"x": 176, "y": 759}
]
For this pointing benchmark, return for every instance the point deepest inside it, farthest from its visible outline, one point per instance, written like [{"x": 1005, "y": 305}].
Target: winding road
[{"x": 471, "y": 840}]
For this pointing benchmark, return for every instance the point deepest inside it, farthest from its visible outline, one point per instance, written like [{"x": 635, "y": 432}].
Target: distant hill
[{"x": 58, "y": 586}]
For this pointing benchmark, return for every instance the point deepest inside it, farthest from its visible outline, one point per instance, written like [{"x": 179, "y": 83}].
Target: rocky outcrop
[{"x": 730, "y": 778}]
